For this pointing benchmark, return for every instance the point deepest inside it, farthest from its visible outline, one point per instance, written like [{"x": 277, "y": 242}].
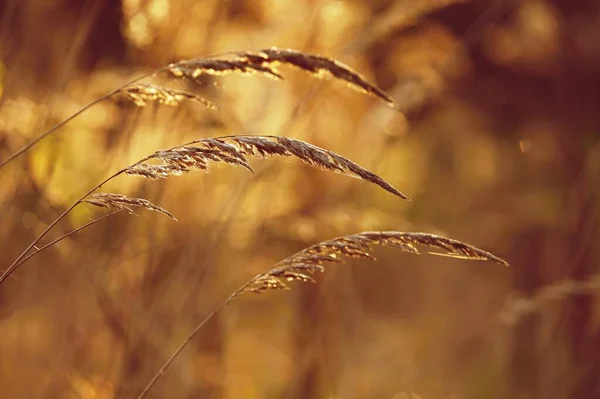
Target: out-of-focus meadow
[{"x": 496, "y": 143}]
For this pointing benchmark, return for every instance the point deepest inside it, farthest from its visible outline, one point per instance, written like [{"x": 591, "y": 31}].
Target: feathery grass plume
[
  {"x": 143, "y": 93},
  {"x": 196, "y": 155},
  {"x": 302, "y": 265},
  {"x": 234, "y": 150},
  {"x": 266, "y": 146},
  {"x": 265, "y": 62},
  {"x": 124, "y": 203},
  {"x": 179, "y": 160},
  {"x": 317, "y": 65}
]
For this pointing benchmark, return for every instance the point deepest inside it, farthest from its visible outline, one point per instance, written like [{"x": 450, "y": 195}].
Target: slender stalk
[
  {"x": 180, "y": 348},
  {"x": 191, "y": 336},
  {"x": 20, "y": 259},
  {"x": 344, "y": 166},
  {"x": 70, "y": 233},
  {"x": 307, "y": 261},
  {"x": 60, "y": 124}
]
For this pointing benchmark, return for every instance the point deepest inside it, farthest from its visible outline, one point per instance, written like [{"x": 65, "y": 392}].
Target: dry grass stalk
[
  {"x": 400, "y": 16},
  {"x": 302, "y": 265},
  {"x": 124, "y": 203},
  {"x": 518, "y": 307},
  {"x": 179, "y": 160},
  {"x": 265, "y": 62},
  {"x": 196, "y": 155},
  {"x": 143, "y": 93},
  {"x": 234, "y": 150}
]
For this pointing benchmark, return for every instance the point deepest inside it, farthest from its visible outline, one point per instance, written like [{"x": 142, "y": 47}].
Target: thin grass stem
[{"x": 67, "y": 235}]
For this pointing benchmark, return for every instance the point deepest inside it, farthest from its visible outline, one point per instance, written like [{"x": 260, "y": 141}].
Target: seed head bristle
[
  {"x": 154, "y": 172},
  {"x": 124, "y": 203},
  {"x": 183, "y": 159},
  {"x": 194, "y": 69},
  {"x": 314, "y": 259},
  {"x": 143, "y": 93}
]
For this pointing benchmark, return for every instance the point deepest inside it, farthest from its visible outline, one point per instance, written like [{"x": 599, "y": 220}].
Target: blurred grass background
[{"x": 497, "y": 144}]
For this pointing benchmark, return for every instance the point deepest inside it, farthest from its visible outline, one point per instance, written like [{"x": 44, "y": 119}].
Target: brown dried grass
[
  {"x": 234, "y": 150},
  {"x": 517, "y": 307},
  {"x": 265, "y": 62},
  {"x": 302, "y": 265},
  {"x": 123, "y": 203},
  {"x": 143, "y": 93},
  {"x": 196, "y": 155}
]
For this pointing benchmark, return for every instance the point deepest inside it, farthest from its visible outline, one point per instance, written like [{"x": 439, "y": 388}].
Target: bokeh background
[{"x": 496, "y": 142}]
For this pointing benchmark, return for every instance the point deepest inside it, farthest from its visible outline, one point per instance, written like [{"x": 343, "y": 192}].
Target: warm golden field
[{"x": 494, "y": 135}]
